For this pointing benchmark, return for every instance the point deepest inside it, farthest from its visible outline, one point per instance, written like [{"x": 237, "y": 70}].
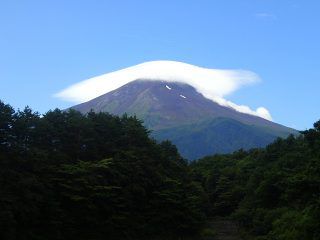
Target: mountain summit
[
  {"x": 197, "y": 125},
  {"x": 212, "y": 83}
]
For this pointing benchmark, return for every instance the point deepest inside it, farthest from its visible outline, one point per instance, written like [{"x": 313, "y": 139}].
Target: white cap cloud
[{"x": 214, "y": 84}]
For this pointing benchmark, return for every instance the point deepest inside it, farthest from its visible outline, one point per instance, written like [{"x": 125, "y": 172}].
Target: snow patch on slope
[{"x": 214, "y": 84}]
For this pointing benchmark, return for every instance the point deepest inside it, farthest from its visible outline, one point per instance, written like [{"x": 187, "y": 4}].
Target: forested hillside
[
  {"x": 68, "y": 176},
  {"x": 273, "y": 193},
  {"x": 64, "y": 175}
]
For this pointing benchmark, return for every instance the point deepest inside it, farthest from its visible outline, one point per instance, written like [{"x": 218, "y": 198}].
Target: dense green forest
[
  {"x": 64, "y": 175},
  {"x": 68, "y": 176},
  {"x": 272, "y": 193}
]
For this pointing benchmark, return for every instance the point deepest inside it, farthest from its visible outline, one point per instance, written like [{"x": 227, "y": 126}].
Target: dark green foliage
[
  {"x": 273, "y": 193},
  {"x": 64, "y": 175}
]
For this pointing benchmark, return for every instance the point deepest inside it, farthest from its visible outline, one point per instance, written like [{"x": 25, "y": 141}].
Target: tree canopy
[
  {"x": 273, "y": 193},
  {"x": 64, "y": 175}
]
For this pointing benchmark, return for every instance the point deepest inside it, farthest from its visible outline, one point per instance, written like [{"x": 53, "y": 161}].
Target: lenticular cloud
[{"x": 214, "y": 84}]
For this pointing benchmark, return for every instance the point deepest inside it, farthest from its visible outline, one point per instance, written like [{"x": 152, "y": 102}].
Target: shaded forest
[
  {"x": 64, "y": 175},
  {"x": 272, "y": 193}
]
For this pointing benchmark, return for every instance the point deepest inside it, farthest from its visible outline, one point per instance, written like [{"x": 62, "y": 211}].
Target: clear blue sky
[{"x": 46, "y": 46}]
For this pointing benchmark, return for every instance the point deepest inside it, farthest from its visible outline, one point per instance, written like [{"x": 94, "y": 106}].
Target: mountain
[{"x": 197, "y": 125}]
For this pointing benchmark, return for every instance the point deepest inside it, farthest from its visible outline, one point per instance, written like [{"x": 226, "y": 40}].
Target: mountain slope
[
  {"x": 177, "y": 112},
  {"x": 158, "y": 103},
  {"x": 219, "y": 135}
]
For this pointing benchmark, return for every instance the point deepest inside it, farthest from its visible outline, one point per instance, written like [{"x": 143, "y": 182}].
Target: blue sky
[{"x": 46, "y": 46}]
